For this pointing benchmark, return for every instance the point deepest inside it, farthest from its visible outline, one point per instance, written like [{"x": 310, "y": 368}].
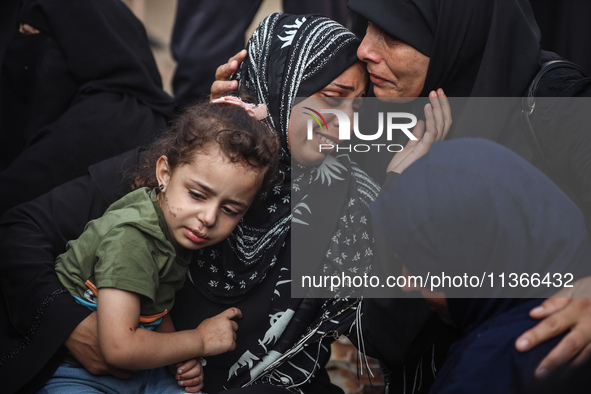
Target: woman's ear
[{"x": 163, "y": 172}]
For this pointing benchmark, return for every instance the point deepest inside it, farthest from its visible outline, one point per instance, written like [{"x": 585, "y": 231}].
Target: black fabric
[
  {"x": 191, "y": 307},
  {"x": 83, "y": 89},
  {"x": 565, "y": 28},
  {"x": 471, "y": 206},
  {"x": 37, "y": 313},
  {"x": 491, "y": 48},
  {"x": 288, "y": 57},
  {"x": 565, "y": 160}
]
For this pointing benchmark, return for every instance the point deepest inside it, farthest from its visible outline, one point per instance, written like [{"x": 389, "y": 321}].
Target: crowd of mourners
[{"x": 148, "y": 243}]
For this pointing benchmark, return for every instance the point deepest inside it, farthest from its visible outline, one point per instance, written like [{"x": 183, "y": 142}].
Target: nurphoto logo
[{"x": 392, "y": 123}]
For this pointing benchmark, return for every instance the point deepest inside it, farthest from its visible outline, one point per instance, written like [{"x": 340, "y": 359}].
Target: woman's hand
[
  {"x": 189, "y": 375},
  {"x": 83, "y": 345},
  {"x": 438, "y": 122},
  {"x": 222, "y": 83},
  {"x": 569, "y": 309}
]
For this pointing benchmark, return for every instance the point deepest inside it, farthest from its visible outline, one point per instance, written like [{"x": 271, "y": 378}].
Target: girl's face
[
  {"x": 204, "y": 200},
  {"x": 352, "y": 84}
]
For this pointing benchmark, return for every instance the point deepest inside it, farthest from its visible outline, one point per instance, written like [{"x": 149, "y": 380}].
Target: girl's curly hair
[{"x": 243, "y": 140}]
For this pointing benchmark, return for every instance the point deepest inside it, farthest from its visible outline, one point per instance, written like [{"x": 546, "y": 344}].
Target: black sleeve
[
  {"x": 391, "y": 177},
  {"x": 561, "y": 123},
  {"x": 83, "y": 89},
  {"x": 82, "y": 136},
  {"x": 36, "y": 313}
]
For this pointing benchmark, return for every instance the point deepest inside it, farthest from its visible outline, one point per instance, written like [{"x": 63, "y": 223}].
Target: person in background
[
  {"x": 507, "y": 217},
  {"x": 78, "y": 84},
  {"x": 205, "y": 32}
]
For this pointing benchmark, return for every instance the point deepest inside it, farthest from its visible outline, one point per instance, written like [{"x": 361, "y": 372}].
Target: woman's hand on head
[
  {"x": 222, "y": 83},
  {"x": 83, "y": 345},
  {"x": 437, "y": 123},
  {"x": 189, "y": 375},
  {"x": 569, "y": 309}
]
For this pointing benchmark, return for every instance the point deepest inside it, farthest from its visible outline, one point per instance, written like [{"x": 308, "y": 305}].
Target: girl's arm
[
  {"x": 125, "y": 345},
  {"x": 36, "y": 313},
  {"x": 189, "y": 373},
  {"x": 167, "y": 325}
]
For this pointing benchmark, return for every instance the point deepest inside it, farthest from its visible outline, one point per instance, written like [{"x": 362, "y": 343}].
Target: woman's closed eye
[
  {"x": 358, "y": 103},
  {"x": 196, "y": 195},
  {"x": 332, "y": 101}
]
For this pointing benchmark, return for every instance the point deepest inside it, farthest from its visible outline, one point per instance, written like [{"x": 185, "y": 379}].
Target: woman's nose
[{"x": 366, "y": 51}]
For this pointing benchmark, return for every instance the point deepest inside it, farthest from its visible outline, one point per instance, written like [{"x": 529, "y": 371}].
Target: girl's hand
[
  {"x": 438, "y": 120},
  {"x": 218, "y": 333},
  {"x": 222, "y": 83},
  {"x": 189, "y": 375}
]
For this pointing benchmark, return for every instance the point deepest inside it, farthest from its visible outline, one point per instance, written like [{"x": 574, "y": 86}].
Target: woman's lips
[{"x": 377, "y": 80}]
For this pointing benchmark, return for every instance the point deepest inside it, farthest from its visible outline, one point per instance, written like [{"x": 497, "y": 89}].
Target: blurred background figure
[
  {"x": 206, "y": 33},
  {"x": 565, "y": 28},
  {"x": 78, "y": 84}
]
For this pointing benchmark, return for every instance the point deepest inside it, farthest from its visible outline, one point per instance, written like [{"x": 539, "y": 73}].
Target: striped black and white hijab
[{"x": 292, "y": 56}]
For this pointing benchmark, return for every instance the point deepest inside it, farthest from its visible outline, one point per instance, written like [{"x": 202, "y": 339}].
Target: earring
[{"x": 161, "y": 187}]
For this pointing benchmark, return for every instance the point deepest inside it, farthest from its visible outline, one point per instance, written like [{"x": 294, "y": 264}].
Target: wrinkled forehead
[{"x": 411, "y": 21}]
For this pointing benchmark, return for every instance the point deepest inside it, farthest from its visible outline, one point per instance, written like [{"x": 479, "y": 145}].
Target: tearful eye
[
  {"x": 357, "y": 103},
  {"x": 230, "y": 211},
  {"x": 196, "y": 195},
  {"x": 332, "y": 101}
]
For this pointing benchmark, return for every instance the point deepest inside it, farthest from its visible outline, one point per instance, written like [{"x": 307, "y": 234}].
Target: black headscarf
[
  {"x": 487, "y": 48},
  {"x": 471, "y": 205},
  {"x": 290, "y": 56}
]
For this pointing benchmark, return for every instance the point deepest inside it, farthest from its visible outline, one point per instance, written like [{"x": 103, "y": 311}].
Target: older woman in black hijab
[{"x": 490, "y": 49}]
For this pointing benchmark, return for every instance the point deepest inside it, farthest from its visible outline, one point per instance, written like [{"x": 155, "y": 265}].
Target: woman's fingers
[
  {"x": 222, "y": 84},
  {"x": 225, "y": 71},
  {"x": 434, "y": 115},
  {"x": 438, "y": 114},
  {"x": 559, "y": 316},
  {"x": 548, "y": 307},
  {"x": 446, "y": 110}
]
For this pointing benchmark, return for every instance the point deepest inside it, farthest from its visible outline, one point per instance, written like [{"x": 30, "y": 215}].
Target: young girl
[{"x": 196, "y": 183}]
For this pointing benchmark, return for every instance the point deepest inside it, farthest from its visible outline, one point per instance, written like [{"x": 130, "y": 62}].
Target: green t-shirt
[{"x": 128, "y": 248}]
